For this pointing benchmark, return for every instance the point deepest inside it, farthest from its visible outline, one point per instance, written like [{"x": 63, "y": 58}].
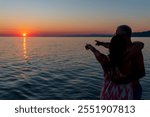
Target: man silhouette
[{"x": 137, "y": 70}]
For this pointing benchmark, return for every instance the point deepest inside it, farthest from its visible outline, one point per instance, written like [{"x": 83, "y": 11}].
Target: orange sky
[{"x": 71, "y": 17}]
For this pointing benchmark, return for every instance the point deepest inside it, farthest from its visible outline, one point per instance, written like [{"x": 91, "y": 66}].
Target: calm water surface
[{"x": 55, "y": 68}]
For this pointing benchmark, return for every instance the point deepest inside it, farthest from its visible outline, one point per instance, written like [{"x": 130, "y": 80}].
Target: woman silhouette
[{"x": 117, "y": 67}]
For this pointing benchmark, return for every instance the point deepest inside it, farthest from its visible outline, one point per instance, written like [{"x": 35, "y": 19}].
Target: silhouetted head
[
  {"x": 118, "y": 46},
  {"x": 124, "y": 30}
]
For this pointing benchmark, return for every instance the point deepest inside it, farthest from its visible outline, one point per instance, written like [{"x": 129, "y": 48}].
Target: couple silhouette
[{"x": 123, "y": 66}]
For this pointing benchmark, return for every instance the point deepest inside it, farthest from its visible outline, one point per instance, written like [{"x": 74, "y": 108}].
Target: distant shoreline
[
  {"x": 69, "y": 36},
  {"x": 135, "y": 34}
]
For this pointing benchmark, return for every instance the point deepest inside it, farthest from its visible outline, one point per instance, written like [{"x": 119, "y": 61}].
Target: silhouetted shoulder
[
  {"x": 133, "y": 50},
  {"x": 137, "y": 45}
]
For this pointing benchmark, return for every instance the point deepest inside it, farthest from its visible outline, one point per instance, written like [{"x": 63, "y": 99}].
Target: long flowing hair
[{"x": 118, "y": 46}]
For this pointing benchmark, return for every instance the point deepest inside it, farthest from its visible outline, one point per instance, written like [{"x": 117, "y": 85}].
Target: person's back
[
  {"x": 118, "y": 69},
  {"x": 117, "y": 48}
]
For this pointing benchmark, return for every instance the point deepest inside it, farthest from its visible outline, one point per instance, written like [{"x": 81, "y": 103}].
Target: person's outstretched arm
[
  {"x": 105, "y": 44},
  {"x": 101, "y": 58}
]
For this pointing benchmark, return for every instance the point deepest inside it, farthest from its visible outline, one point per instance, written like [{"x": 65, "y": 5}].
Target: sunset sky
[{"x": 57, "y": 17}]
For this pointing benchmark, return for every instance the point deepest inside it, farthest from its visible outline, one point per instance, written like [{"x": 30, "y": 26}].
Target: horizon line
[{"x": 134, "y": 34}]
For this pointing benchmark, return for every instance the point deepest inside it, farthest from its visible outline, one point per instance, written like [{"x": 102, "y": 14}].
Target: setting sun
[{"x": 24, "y": 34}]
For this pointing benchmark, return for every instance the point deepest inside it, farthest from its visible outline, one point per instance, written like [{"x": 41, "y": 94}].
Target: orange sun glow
[{"x": 24, "y": 34}]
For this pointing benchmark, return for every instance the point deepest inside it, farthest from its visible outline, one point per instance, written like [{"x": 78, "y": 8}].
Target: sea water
[{"x": 56, "y": 68}]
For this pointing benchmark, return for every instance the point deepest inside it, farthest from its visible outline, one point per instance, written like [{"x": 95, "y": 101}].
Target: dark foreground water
[{"x": 55, "y": 68}]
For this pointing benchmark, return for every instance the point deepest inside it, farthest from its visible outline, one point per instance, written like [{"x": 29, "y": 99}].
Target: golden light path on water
[{"x": 25, "y": 48}]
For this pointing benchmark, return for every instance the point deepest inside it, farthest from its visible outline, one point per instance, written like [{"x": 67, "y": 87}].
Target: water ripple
[{"x": 56, "y": 68}]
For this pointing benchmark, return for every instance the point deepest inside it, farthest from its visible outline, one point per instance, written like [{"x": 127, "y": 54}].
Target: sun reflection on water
[{"x": 25, "y": 49}]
